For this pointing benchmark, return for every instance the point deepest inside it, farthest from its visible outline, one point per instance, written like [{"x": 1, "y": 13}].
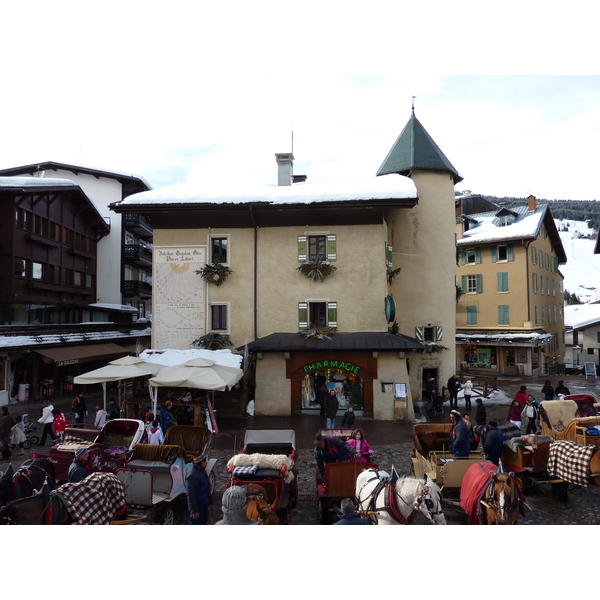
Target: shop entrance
[{"x": 316, "y": 387}]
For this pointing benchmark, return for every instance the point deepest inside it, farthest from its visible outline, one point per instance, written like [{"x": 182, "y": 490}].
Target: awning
[{"x": 70, "y": 355}]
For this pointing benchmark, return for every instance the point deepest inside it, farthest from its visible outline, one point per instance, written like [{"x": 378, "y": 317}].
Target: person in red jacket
[
  {"x": 59, "y": 424},
  {"x": 522, "y": 396}
]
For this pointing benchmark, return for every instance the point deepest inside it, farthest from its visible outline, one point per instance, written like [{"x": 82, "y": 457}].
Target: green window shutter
[
  {"x": 463, "y": 283},
  {"x": 478, "y": 283},
  {"x": 389, "y": 260},
  {"x": 493, "y": 252},
  {"x": 556, "y": 264},
  {"x": 534, "y": 282},
  {"x": 302, "y": 248},
  {"x": 302, "y": 315},
  {"x": 533, "y": 255},
  {"x": 503, "y": 282},
  {"x": 536, "y": 314},
  {"x": 332, "y": 314},
  {"x": 477, "y": 256},
  {"x": 439, "y": 333},
  {"x": 331, "y": 247},
  {"x": 471, "y": 315},
  {"x": 503, "y": 314},
  {"x": 463, "y": 257},
  {"x": 509, "y": 252},
  {"x": 420, "y": 333}
]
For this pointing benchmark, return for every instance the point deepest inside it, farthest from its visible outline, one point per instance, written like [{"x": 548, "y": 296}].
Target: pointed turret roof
[{"x": 415, "y": 149}]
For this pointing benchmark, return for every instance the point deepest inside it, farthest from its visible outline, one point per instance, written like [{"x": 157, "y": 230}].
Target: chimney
[
  {"x": 285, "y": 167},
  {"x": 531, "y": 203}
]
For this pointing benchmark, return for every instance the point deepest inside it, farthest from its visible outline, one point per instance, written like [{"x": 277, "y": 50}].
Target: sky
[{"x": 207, "y": 93}]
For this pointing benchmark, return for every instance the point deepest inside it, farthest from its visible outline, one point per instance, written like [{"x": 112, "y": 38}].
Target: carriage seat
[
  {"x": 559, "y": 413},
  {"x": 431, "y": 437},
  {"x": 157, "y": 466},
  {"x": 270, "y": 448}
]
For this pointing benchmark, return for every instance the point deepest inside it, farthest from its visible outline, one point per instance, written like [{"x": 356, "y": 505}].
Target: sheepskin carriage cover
[
  {"x": 264, "y": 461},
  {"x": 95, "y": 500},
  {"x": 570, "y": 461}
]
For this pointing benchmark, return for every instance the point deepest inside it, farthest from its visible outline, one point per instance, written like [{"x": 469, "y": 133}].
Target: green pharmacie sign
[{"x": 332, "y": 364}]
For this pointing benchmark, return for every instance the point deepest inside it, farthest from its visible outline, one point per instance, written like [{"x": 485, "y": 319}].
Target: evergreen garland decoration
[
  {"x": 316, "y": 270},
  {"x": 215, "y": 272}
]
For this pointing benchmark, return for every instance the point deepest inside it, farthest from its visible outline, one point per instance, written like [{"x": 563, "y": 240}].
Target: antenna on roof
[
  {"x": 413, "y": 105},
  {"x": 292, "y": 138}
]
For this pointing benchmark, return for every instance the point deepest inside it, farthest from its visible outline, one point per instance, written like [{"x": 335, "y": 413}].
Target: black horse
[
  {"x": 41, "y": 509},
  {"x": 27, "y": 480}
]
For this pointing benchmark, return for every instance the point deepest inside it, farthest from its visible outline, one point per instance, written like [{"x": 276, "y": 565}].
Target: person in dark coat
[
  {"x": 331, "y": 449},
  {"x": 460, "y": 443},
  {"x": 561, "y": 388},
  {"x": 453, "y": 388},
  {"x": 548, "y": 390},
  {"x": 480, "y": 413},
  {"x": 331, "y": 407},
  {"x": 6, "y": 423},
  {"x": 166, "y": 417},
  {"x": 113, "y": 409},
  {"x": 78, "y": 470},
  {"x": 348, "y": 418},
  {"x": 198, "y": 491},
  {"x": 493, "y": 444},
  {"x": 349, "y": 516},
  {"x": 79, "y": 408}
]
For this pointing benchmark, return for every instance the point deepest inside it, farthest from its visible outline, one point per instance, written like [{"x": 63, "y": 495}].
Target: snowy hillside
[{"x": 582, "y": 271}]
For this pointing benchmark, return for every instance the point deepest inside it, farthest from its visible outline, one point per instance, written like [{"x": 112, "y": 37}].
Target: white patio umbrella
[
  {"x": 198, "y": 373},
  {"x": 111, "y": 372}
]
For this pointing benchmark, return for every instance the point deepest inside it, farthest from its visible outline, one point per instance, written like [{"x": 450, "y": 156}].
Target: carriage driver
[
  {"x": 331, "y": 449},
  {"x": 460, "y": 444},
  {"x": 78, "y": 469}
]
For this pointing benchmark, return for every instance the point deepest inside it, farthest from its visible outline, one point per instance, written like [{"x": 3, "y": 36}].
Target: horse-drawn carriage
[
  {"x": 266, "y": 463},
  {"x": 561, "y": 420},
  {"x": 339, "y": 480},
  {"x": 154, "y": 477},
  {"x": 109, "y": 448},
  {"x": 431, "y": 456}
]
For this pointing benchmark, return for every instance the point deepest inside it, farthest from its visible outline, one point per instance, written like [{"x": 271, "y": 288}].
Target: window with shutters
[
  {"x": 317, "y": 247},
  {"x": 218, "y": 249},
  {"x": 536, "y": 314},
  {"x": 389, "y": 263},
  {"x": 471, "y": 315},
  {"x": 473, "y": 256},
  {"x": 503, "y": 318},
  {"x": 218, "y": 317},
  {"x": 503, "y": 282},
  {"x": 543, "y": 314},
  {"x": 534, "y": 282},
  {"x": 429, "y": 333},
  {"x": 317, "y": 313},
  {"x": 472, "y": 284}
]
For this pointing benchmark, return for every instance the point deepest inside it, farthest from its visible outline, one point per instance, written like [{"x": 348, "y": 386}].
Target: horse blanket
[
  {"x": 95, "y": 500},
  {"x": 570, "y": 461},
  {"x": 474, "y": 484}
]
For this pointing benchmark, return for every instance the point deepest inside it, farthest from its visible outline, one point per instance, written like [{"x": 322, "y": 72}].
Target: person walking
[
  {"x": 113, "y": 409},
  {"x": 46, "y": 420},
  {"x": 331, "y": 407},
  {"x": 165, "y": 417},
  {"x": 561, "y": 388},
  {"x": 101, "y": 417},
  {"x": 348, "y": 418},
  {"x": 467, "y": 391},
  {"x": 155, "y": 434},
  {"x": 59, "y": 425},
  {"x": 548, "y": 391},
  {"x": 530, "y": 415},
  {"x": 79, "y": 408},
  {"x": 7, "y": 422},
  {"x": 514, "y": 413},
  {"x": 453, "y": 388},
  {"x": 17, "y": 434}
]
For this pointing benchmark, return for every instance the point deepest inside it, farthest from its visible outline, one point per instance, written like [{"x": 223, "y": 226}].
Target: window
[
  {"x": 590, "y": 351},
  {"x": 218, "y": 249},
  {"x": 218, "y": 317},
  {"x": 598, "y": 337},
  {"x": 471, "y": 315},
  {"x": 503, "y": 282},
  {"x": 502, "y": 253},
  {"x": 554, "y": 307},
  {"x": 317, "y": 313},
  {"x": 37, "y": 271},
  {"x": 503, "y": 314},
  {"x": 543, "y": 315},
  {"x": 534, "y": 281},
  {"x": 77, "y": 278},
  {"x": 549, "y": 316},
  {"x": 312, "y": 247},
  {"x": 429, "y": 333},
  {"x": 554, "y": 287},
  {"x": 473, "y": 256},
  {"x": 548, "y": 285},
  {"x": 21, "y": 267},
  {"x": 471, "y": 284},
  {"x": 536, "y": 315}
]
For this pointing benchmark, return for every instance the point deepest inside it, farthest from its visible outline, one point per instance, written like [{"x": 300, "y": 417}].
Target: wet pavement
[{"x": 392, "y": 443}]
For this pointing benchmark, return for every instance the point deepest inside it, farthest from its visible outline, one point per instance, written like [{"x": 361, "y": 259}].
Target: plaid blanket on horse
[
  {"x": 570, "y": 461},
  {"x": 95, "y": 500}
]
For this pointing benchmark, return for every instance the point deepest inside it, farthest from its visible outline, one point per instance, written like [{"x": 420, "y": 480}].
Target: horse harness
[
  {"x": 390, "y": 505},
  {"x": 26, "y": 473},
  {"x": 490, "y": 498}
]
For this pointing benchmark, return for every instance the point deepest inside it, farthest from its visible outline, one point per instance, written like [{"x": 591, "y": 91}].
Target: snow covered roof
[
  {"x": 115, "y": 307},
  {"x": 493, "y": 337},
  {"x": 56, "y": 339},
  {"x": 378, "y": 188},
  {"x": 487, "y": 228},
  {"x": 36, "y": 183},
  {"x": 579, "y": 316}
]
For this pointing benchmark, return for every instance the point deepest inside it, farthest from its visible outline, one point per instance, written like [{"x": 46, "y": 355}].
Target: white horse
[{"x": 397, "y": 500}]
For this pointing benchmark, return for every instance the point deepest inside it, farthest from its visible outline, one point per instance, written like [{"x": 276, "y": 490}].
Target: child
[
  {"x": 348, "y": 418},
  {"x": 17, "y": 434},
  {"x": 59, "y": 424},
  {"x": 155, "y": 434}
]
